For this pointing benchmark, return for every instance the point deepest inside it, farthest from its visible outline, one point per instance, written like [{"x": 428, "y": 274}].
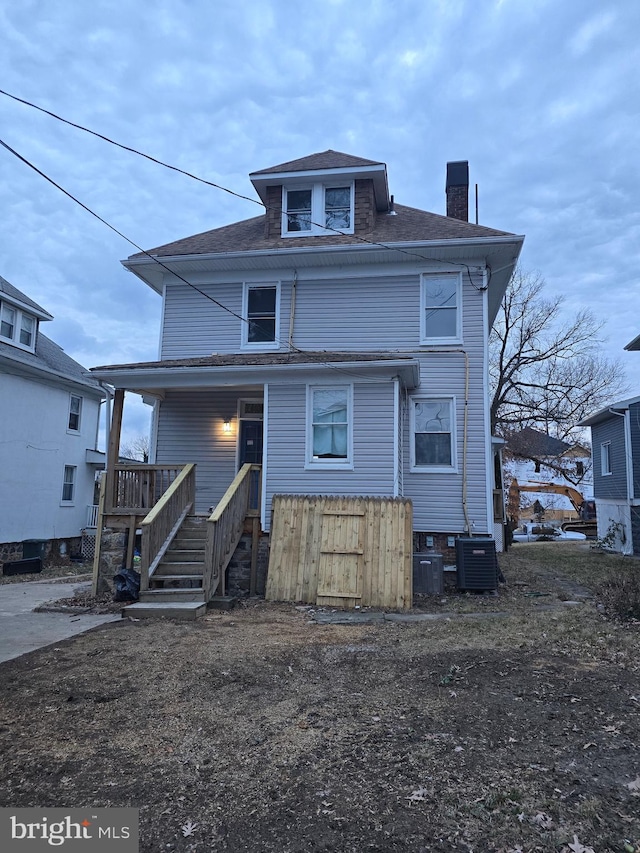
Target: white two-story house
[
  {"x": 49, "y": 414},
  {"x": 338, "y": 339}
]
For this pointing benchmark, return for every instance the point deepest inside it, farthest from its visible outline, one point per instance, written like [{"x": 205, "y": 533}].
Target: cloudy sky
[{"x": 541, "y": 96}]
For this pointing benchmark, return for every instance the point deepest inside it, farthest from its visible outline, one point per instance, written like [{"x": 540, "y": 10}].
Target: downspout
[
  {"x": 397, "y": 491},
  {"x": 292, "y": 310},
  {"x": 464, "y": 443}
]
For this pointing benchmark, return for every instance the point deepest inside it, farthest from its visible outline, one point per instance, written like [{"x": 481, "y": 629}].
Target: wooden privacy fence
[{"x": 341, "y": 551}]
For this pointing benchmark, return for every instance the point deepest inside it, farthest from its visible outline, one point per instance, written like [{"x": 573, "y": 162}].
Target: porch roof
[{"x": 259, "y": 368}]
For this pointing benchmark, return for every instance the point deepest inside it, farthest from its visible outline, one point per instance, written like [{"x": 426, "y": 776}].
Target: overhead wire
[
  {"x": 222, "y": 188},
  {"x": 156, "y": 260}
]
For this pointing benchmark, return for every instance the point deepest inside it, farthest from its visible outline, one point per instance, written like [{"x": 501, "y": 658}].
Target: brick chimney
[{"x": 457, "y": 190}]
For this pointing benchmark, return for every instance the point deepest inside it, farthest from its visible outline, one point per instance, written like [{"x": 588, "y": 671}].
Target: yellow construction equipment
[{"x": 586, "y": 509}]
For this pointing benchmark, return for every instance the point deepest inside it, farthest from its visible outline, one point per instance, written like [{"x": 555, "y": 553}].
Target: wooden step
[
  {"x": 183, "y": 543},
  {"x": 187, "y": 610},
  {"x": 194, "y": 580},
  {"x": 182, "y": 556},
  {"x": 190, "y": 567},
  {"x": 172, "y": 594}
]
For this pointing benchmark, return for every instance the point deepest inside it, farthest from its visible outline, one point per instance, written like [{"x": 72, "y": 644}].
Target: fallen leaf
[
  {"x": 188, "y": 828},
  {"x": 577, "y": 847},
  {"x": 543, "y": 820},
  {"x": 634, "y": 786}
]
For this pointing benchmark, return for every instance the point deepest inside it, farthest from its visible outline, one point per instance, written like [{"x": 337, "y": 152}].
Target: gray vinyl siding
[
  {"x": 634, "y": 424},
  {"x": 190, "y": 430},
  {"x": 437, "y": 497},
  {"x": 614, "y": 485},
  {"x": 373, "y": 430},
  {"x": 370, "y": 313}
]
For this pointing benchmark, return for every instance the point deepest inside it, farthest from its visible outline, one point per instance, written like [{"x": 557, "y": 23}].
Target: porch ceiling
[{"x": 243, "y": 370}]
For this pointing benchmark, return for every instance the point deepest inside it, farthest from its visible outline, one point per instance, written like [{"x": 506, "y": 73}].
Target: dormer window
[
  {"x": 17, "y": 327},
  {"x": 317, "y": 209}
]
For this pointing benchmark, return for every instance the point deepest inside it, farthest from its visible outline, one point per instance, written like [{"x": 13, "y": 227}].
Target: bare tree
[
  {"x": 546, "y": 372},
  {"x": 137, "y": 448}
]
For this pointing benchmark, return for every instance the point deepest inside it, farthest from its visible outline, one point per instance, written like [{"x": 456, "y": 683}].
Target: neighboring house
[
  {"x": 48, "y": 432},
  {"x": 615, "y": 439},
  {"x": 338, "y": 339},
  {"x": 531, "y": 456}
]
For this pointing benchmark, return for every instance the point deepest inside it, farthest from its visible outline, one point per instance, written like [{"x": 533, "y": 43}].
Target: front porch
[{"x": 147, "y": 520}]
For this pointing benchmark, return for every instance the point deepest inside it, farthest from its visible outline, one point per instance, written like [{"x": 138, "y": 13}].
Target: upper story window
[
  {"x": 261, "y": 310},
  {"x": 17, "y": 326},
  {"x": 75, "y": 410},
  {"x": 314, "y": 209},
  {"x": 441, "y": 308},
  {"x": 605, "y": 458}
]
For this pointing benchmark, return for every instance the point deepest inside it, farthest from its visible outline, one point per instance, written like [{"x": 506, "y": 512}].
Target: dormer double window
[
  {"x": 17, "y": 327},
  {"x": 317, "y": 209}
]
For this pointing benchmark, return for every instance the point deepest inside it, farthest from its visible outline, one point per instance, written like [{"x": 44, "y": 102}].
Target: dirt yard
[{"x": 508, "y": 723}]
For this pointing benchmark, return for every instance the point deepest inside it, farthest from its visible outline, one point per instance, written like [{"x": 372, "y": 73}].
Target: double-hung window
[
  {"x": 7, "y": 321},
  {"x": 261, "y": 310},
  {"x": 75, "y": 410},
  {"x": 433, "y": 446},
  {"x": 317, "y": 209},
  {"x": 17, "y": 326},
  {"x": 329, "y": 421},
  {"x": 441, "y": 308},
  {"x": 68, "y": 483}
]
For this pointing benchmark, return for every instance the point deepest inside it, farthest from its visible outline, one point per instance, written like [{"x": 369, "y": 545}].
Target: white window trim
[
  {"x": 15, "y": 340},
  {"x": 433, "y": 469},
  {"x": 70, "y": 430},
  {"x": 74, "y": 483},
  {"x": 314, "y": 463},
  {"x": 444, "y": 341},
  {"x": 317, "y": 208},
  {"x": 259, "y": 345},
  {"x": 603, "y": 472}
]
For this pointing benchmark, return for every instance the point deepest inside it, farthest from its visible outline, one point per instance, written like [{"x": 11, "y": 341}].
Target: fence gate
[{"x": 341, "y": 551}]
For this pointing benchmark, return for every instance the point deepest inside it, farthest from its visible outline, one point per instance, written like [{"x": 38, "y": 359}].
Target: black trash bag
[{"x": 126, "y": 585}]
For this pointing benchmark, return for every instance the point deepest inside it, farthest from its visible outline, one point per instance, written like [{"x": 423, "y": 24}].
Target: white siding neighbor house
[
  {"x": 49, "y": 416},
  {"x": 339, "y": 340}
]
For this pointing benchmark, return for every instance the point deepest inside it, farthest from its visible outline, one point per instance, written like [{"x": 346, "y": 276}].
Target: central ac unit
[{"x": 476, "y": 564}]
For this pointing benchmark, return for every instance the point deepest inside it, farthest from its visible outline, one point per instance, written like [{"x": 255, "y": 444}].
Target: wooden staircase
[{"x": 175, "y": 588}]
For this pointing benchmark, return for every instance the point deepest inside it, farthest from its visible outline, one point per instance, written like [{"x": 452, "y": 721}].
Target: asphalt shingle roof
[
  {"x": 321, "y": 160},
  {"x": 409, "y": 225},
  {"x": 13, "y": 293},
  {"x": 261, "y": 359}
]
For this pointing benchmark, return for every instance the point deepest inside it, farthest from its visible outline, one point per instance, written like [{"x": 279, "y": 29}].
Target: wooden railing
[
  {"x": 137, "y": 488},
  {"x": 163, "y": 522},
  {"x": 225, "y": 526}
]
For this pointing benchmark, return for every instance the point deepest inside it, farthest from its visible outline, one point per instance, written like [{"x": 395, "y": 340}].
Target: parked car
[{"x": 544, "y": 533}]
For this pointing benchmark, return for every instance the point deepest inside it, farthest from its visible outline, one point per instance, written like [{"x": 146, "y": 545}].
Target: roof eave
[
  {"x": 151, "y": 269},
  {"x": 146, "y": 379}
]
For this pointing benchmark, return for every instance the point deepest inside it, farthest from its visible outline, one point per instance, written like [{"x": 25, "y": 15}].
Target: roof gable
[
  {"x": 530, "y": 443},
  {"x": 14, "y": 295},
  {"x": 321, "y": 160}
]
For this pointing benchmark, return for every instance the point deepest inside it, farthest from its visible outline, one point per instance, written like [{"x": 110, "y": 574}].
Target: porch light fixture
[{"x": 226, "y": 427}]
